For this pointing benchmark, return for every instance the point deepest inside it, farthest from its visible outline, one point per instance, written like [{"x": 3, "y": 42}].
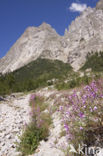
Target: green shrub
[
  {"x": 34, "y": 75},
  {"x": 31, "y": 137},
  {"x": 94, "y": 61},
  {"x": 37, "y": 129},
  {"x": 75, "y": 82}
]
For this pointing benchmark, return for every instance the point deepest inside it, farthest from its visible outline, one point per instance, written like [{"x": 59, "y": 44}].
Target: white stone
[{"x": 9, "y": 127}]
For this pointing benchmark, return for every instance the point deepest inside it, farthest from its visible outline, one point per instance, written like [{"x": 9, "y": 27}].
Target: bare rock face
[
  {"x": 100, "y": 5},
  {"x": 42, "y": 41},
  {"x": 85, "y": 34}
]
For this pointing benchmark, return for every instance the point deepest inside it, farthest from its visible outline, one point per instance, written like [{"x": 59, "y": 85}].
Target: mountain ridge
[
  {"x": 32, "y": 44},
  {"x": 85, "y": 34}
]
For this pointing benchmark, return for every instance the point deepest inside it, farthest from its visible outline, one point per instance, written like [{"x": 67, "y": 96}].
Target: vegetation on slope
[
  {"x": 82, "y": 118},
  {"x": 94, "y": 61},
  {"x": 45, "y": 72},
  {"x": 35, "y": 74},
  {"x": 76, "y": 81},
  {"x": 37, "y": 129}
]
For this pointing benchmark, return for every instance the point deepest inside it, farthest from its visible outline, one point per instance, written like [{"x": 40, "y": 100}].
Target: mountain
[
  {"x": 42, "y": 41},
  {"x": 84, "y": 35}
]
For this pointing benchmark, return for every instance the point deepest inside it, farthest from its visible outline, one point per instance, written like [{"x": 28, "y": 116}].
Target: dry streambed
[{"x": 14, "y": 114}]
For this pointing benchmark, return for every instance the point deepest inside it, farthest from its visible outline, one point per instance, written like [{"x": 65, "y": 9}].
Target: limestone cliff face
[
  {"x": 85, "y": 34},
  {"x": 100, "y": 5},
  {"x": 42, "y": 41}
]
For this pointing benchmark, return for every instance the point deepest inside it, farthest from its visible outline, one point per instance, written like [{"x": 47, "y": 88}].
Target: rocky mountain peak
[
  {"x": 30, "y": 31},
  {"x": 42, "y": 41},
  {"x": 45, "y": 26},
  {"x": 100, "y": 5},
  {"x": 85, "y": 34}
]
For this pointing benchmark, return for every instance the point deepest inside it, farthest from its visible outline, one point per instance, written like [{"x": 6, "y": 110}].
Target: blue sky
[{"x": 17, "y": 15}]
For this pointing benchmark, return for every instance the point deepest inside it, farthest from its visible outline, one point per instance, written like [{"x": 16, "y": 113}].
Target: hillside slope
[
  {"x": 36, "y": 74},
  {"x": 85, "y": 34}
]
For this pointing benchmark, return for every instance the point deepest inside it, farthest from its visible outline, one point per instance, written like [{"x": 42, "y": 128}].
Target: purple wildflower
[
  {"x": 101, "y": 96},
  {"x": 32, "y": 97},
  {"x": 87, "y": 88},
  {"x": 67, "y": 113},
  {"x": 60, "y": 108},
  {"x": 95, "y": 108},
  {"x": 70, "y": 97},
  {"x": 66, "y": 127},
  {"x": 91, "y": 110},
  {"x": 93, "y": 94},
  {"x": 84, "y": 106},
  {"x": 81, "y": 128},
  {"x": 83, "y": 101},
  {"x": 74, "y": 94},
  {"x": 81, "y": 114}
]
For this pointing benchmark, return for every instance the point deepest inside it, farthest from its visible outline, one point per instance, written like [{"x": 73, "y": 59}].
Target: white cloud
[{"x": 77, "y": 7}]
